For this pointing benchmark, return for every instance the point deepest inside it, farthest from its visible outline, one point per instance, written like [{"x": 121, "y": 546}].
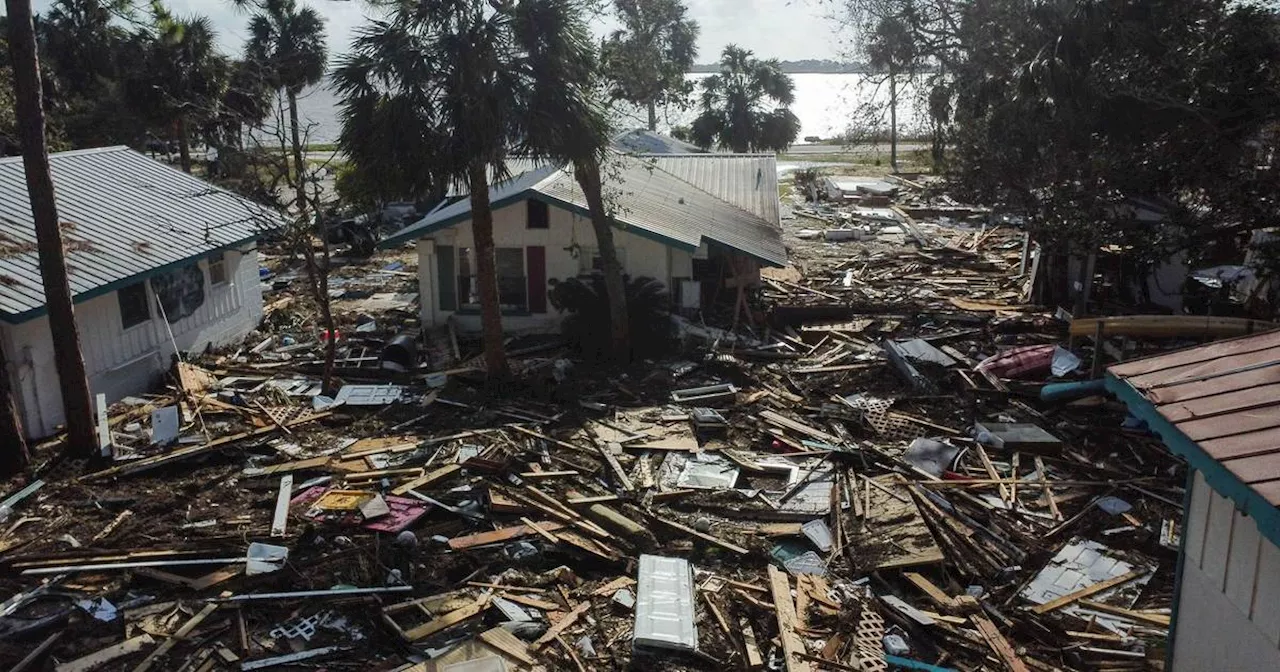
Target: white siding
[
  {"x": 1229, "y": 606},
  {"x": 122, "y": 362},
  {"x": 567, "y": 231}
]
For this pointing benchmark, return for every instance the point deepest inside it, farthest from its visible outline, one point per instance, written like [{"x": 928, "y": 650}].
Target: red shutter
[{"x": 537, "y": 272}]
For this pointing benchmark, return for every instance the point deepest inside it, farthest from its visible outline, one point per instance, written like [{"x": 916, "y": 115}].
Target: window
[
  {"x": 589, "y": 260},
  {"x": 217, "y": 268},
  {"x": 538, "y": 216},
  {"x": 513, "y": 286},
  {"x": 134, "y": 306}
]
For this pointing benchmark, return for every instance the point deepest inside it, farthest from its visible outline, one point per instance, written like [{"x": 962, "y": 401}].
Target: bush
[{"x": 587, "y": 326}]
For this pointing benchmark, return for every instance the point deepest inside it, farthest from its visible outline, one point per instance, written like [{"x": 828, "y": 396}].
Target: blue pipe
[{"x": 1069, "y": 391}]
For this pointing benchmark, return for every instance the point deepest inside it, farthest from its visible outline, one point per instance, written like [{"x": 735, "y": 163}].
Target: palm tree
[
  {"x": 474, "y": 82},
  {"x": 892, "y": 49},
  {"x": 745, "y": 106},
  {"x": 288, "y": 44},
  {"x": 647, "y": 60},
  {"x": 183, "y": 79}
]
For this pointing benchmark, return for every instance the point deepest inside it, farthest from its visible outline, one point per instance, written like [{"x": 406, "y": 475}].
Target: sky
[{"x": 784, "y": 29}]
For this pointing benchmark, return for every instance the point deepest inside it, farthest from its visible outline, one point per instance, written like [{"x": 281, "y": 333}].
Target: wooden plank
[
  {"x": 1161, "y": 620},
  {"x": 705, "y": 537},
  {"x": 176, "y": 637},
  {"x": 613, "y": 586},
  {"x": 104, "y": 656},
  {"x": 281, "y": 518},
  {"x": 1087, "y": 591},
  {"x": 788, "y": 423},
  {"x": 611, "y": 459},
  {"x": 541, "y": 532},
  {"x": 450, "y": 619},
  {"x": 531, "y": 602},
  {"x": 507, "y": 643},
  {"x": 37, "y": 652},
  {"x": 561, "y": 625},
  {"x": 427, "y": 479},
  {"x": 999, "y": 644},
  {"x": 933, "y": 592},
  {"x": 792, "y": 645},
  {"x": 751, "y": 650}
]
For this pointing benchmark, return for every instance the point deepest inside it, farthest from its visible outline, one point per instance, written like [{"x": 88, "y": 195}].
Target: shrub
[{"x": 587, "y": 325}]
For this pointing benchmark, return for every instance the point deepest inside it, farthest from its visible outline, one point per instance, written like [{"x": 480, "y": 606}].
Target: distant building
[
  {"x": 696, "y": 222},
  {"x": 159, "y": 262}
]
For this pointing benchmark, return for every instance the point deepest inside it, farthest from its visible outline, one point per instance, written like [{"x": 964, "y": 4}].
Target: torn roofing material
[
  {"x": 123, "y": 216},
  {"x": 649, "y": 201}
]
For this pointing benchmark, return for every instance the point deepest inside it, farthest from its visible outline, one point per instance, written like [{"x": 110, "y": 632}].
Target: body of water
[{"x": 826, "y": 104}]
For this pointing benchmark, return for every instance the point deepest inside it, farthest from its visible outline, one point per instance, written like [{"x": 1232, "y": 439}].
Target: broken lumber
[{"x": 792, "y": 645}]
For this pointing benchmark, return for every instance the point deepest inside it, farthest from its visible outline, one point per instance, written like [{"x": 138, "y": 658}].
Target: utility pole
[{"x": 73, "y": 381}]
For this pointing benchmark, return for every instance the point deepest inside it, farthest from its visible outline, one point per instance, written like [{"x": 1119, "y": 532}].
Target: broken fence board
[
  {"x": 104, "y": 656},
  {"x": 792, "y": 645}
]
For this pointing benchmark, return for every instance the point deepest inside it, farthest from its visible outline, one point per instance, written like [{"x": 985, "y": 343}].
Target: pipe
[{"x": 1070, "y": 391}]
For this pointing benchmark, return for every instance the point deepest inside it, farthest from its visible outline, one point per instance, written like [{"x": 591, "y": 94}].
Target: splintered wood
[
  {"x": 785, "y": 609},
  {"x": 896, "y": 534}
]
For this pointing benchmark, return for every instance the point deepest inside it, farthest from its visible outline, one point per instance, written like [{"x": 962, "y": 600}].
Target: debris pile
[{"x": 908, "y": 468}]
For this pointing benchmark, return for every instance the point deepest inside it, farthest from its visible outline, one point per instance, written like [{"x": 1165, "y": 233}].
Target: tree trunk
[
  {"x": 73, "y": 382},
  {"x": 495, "y": 356},
  {"x": 184, "y": 144},
  {"x": 653, "y": 116},
  {"x": 299, "y": 174},
  {"x": 587, "y": 173},
  {"x": 14, "y": 457},
  {"x": 893, "y": 119}
]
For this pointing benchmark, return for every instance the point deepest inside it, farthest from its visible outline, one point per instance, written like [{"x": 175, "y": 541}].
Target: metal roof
[
  {"x": 123, "y": 216},
  {"x": 749, "y": 181},
  {"x": 1225, "y": 397},
  {"x": 648, "y": 201},
  {"x": 642, "y": 141}
]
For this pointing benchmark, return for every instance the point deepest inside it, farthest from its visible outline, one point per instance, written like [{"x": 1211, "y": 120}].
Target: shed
[
  {"x": 1218, "y": 406},
  {"x": 159, "y": 262},
  {"x": 691, "y": 221}
]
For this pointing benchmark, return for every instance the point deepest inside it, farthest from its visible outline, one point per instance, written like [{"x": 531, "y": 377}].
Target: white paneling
[
  {"x": 1196, "y": 519},
  {"x": 1266, "y": 598},
  {"x": 1217, "y": 540},
  {"x": 1242, "y": 562},
  {"x": 567, "y": 232},
  {"x": 1213, "y": 636},
  {"x": 121, "y": 362}
]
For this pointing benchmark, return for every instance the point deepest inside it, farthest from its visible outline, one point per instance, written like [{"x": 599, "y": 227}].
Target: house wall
[
  {"x": 641, "y": 257},
  {"x": 119, "y": 361},
  {"x": 1228, "y": 616}
]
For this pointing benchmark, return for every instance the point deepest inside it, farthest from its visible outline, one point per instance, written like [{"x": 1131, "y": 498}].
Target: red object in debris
[
  {"x": 324, "y": 335},
  {"x": 1019, "y": 362}
]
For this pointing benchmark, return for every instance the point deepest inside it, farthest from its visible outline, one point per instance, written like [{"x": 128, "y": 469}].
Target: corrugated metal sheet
[
  {"x": 642, "y": 141},
  {"x": 665, "y": 615},
  {"x": 655, "y": 200},
  {"x": 1225, "y": 397},
  {"x": 749, "y": 181},
  {"x": 646, "y": 198},
  {"x": 123, "y": 215}
]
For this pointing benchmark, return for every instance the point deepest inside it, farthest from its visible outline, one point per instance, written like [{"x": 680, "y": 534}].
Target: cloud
[{"x": 786, "y": 29}]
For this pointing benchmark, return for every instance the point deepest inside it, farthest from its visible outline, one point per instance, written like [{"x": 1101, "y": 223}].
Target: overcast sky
[{"x": 785, "y": 29}]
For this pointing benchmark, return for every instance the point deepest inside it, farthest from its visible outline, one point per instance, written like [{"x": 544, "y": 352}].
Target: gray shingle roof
[
  {"x": 123, "y": 216},
  {"x": 648, "y": 201}
]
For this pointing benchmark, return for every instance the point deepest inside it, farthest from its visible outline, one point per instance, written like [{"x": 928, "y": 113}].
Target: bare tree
[{"x": 73, "y": 381}]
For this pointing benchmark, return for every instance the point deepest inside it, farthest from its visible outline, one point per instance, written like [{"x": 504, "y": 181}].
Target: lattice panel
[{"x": 868, "y": 642}]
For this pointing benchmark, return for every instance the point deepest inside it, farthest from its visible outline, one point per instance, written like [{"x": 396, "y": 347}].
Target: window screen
[{"x": 134, "y": 308}]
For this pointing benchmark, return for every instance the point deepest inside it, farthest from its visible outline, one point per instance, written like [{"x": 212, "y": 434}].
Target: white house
[
  {"x": 696, "y": 222},
  {"x": 1217, "y": 406},
  {"x": 158, "y": 261}
]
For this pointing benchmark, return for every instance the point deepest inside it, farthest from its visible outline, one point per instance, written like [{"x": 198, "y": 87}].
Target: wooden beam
[
  {"x": 1087, "y": 591},
  {"x": 792, "y": 645},
  {"x": 561, "y": 625},
  {"x": 705, "y": 537},
  {"x": 427, "y": 479},
  {"x": 501, "y": 535},
  {"x": 176, "y": 637},
  {"x": 999, "y": 644},
  {"x": 104, "y": 656},
  {"x": 1161, "y": 620},
  {"x": 452, "y": 618}
]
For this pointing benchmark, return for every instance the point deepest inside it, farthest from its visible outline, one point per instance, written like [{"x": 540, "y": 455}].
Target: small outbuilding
[
  {"x": 696, "y": 222},
  {"x": 159, "y": 262},
  {"x": 1218, "y": 406}
]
